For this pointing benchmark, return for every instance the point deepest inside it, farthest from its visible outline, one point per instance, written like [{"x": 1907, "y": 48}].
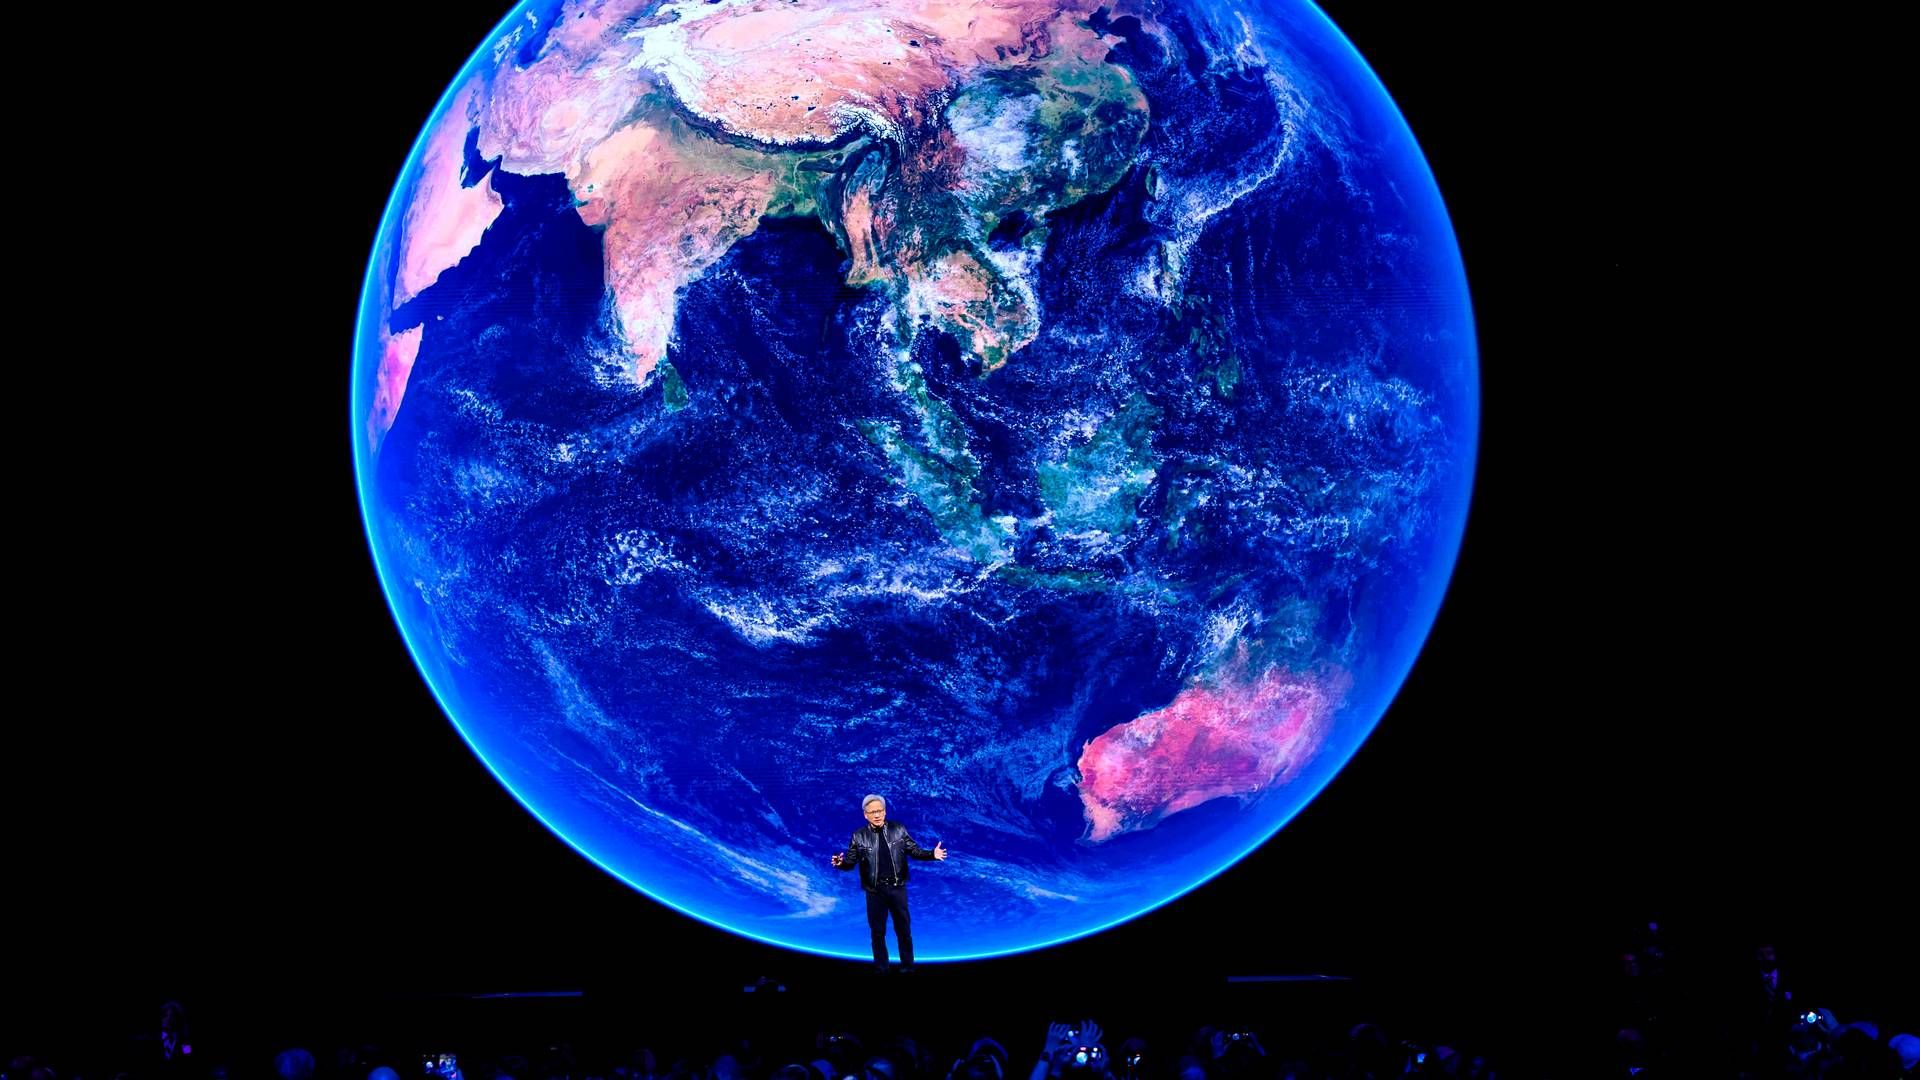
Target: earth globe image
[{"x": 1057, "y": 416}]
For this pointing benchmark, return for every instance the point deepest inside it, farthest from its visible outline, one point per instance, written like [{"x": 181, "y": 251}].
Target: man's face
[{"x": 876, "y": 814}]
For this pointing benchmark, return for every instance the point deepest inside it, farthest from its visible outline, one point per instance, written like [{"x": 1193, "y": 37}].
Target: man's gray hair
[{"x": 871, "y": 799}]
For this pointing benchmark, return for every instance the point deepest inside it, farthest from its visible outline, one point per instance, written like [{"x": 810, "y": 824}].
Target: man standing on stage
[{"x": 881, "y": 852}]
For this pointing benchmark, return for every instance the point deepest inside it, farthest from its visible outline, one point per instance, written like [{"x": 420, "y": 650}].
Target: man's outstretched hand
[
  {"x": 837, "y": 856},
  {"x": 939, "y": 849}
]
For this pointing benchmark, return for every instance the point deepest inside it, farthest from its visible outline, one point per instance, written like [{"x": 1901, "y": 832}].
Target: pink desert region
[{"x": 1224, "y": 734}]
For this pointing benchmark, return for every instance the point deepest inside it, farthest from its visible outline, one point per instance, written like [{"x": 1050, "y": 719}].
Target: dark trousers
[{"x": 883, "y": 899}]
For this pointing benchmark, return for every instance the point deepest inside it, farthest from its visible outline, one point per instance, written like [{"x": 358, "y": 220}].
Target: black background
[{"x": 1651, "y": 690}]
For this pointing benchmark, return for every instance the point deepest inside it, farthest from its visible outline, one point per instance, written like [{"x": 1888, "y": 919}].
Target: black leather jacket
[{"x": 863, "y": 851}]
